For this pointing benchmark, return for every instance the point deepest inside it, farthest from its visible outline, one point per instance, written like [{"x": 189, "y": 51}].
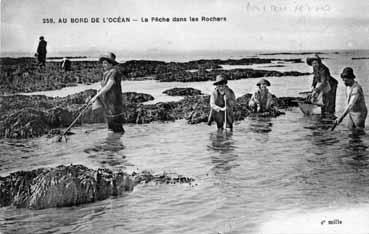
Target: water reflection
[
  {"x": 222, "y": 151},
  {"x": 109, "y": 152},
  {"x": 318, "y": 123},
  {"x": 260, "y": 124},
  {"x": 356, "y": 147},
  {"x": 321, "y": 134}
]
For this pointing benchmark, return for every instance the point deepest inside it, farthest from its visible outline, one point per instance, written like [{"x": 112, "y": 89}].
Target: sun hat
[
  {"x": 348, "y": 72},
  {"x": 263, "y": 81},
  {"x": 220, "y": 79},
  {"x": 310, "y": 60},
  {"x": 110, "y": 57}
]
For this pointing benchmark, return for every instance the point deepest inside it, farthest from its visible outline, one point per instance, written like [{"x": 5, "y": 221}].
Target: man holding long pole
[{"x": 222, "y": 101}]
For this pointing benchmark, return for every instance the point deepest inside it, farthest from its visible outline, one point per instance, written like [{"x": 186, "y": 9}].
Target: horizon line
[{"x": 164, "y": 51}]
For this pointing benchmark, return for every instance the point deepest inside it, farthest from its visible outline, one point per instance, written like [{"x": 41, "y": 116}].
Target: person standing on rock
[
  {"x": 110, "y": 95},
  {"x": 356, "y": 108},
  {"x": 262, "y": 100},
  {"x": 66, "y": 64},
  {"x": 41, "y": 52},
  {"x": 324, "y": 86},
  {"x": 222, "y": 101}
]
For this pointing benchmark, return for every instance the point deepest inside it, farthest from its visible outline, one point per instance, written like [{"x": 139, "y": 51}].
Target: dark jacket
[
  {"x": 41, "y": 49},
  {"x": 112, "y": 99},
  {"x": 323, "y": 81}
]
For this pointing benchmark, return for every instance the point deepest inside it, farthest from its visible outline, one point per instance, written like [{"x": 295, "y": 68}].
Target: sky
[{"x": 250, "y": 25}]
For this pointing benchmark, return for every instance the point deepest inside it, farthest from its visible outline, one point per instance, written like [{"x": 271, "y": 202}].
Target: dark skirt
[
  {"x": 329, "y": 101},
  {"x": 115, "y": 123}
]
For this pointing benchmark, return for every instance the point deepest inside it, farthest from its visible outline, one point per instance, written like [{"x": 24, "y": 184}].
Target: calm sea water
[{"x": 271, "y": 175}]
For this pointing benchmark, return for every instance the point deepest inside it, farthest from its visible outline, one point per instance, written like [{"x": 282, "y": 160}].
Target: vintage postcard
[{"x": 174, "y": 116}]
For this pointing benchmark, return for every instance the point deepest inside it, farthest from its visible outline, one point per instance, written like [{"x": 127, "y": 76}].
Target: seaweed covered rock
[
  {"x": 78, "y": 98},
  {"x": 72, "y": 185},
  {"x": 61, "y": 186},
  {"x": 233, "y": 74},
  {"x": 195, "y": 109},
  {"x": 286, "y": 102},
  {"x": 182, "y": 92},
  {"x": 31, "y": 116},
  {"x": 133, "y": 97},
  {"x": 163, "y": 178},
  {"x": 23, "y": 124},
  {"x": 155, "y": 112},
  {"x": 24, "y": 74},
  {"x": 59, "y": 117},
  {"x": 23, "y": 116}
]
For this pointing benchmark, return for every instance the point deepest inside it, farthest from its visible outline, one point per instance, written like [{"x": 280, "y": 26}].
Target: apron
[{"x": 358, "y": 113}]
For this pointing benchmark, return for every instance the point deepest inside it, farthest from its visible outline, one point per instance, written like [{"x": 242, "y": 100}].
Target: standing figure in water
[
  {"x": 355, "y": 102},
  {"x": 324, "y": 86},
  {"x": 262, "y": 100},
  {"x": 110, "y": 95},
  {"x": 222, "y": 101}
]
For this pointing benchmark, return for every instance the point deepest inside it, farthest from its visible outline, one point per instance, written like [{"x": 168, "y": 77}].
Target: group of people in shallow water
[{"x": 223, "y": 99}]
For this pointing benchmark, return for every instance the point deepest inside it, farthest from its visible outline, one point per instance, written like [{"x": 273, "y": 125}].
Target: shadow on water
[
  {"x": 109, "y": 152},
  {"x": 222, "y": 151}
]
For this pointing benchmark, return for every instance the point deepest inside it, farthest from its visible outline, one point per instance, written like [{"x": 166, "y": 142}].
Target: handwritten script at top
[{"x": 296, "y": 7}]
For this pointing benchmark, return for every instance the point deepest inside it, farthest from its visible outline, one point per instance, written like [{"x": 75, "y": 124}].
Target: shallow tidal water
[{"x": 270, "y": 175}]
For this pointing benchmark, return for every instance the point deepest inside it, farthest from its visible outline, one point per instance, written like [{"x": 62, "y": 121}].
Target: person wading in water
[
  {"x": 324, "y": 86},
  {"x": 356, "y": 107},
  {"x": 262, "y": 100},
  {"x": 110, "y": 95},
  {"x": 222, "y": 101}
]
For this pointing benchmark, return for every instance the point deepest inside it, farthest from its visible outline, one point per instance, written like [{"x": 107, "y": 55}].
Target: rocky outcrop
[
  {"x": 287, "y": 102},
  {"x": 24, "y": 75},
  {"x": 234, "y": 74},
  {"x": 24, "y": 116},
  {"x": 133, "y": 97},
  {"x": 182, "y": 92},
  {"x": 292, "y": 53},
  {"x": 23, "y": 124},
  {"x": 360, "y": 58},
  {"x": 32, "y": 116},
  {"x": 72, "y": 185},
  {"x": 196, "y": 109}
]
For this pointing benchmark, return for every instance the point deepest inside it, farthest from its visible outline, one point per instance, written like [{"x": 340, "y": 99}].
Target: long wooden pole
[
  {"x": 74, "y": 121},
  {"x": 225, "y": 112}
]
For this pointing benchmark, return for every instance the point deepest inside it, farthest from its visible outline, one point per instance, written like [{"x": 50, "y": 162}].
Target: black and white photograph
[{"x": 184, "y": 116}]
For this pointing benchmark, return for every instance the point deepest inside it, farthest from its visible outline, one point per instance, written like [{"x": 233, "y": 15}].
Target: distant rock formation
[
  {"x": 24, "y": 75},
  {"x": 234, "y": 74},
  {"x": 182, "y": 92}
]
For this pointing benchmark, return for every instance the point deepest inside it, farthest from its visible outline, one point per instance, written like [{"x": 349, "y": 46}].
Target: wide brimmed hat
[
  {"x": 348, "y": 72},
  {"x": 310, "y": 60},
  {"x": 110, "y": 57},
  {"x": 220, "y": 79},
  {"x": 263, "y": 81}
]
